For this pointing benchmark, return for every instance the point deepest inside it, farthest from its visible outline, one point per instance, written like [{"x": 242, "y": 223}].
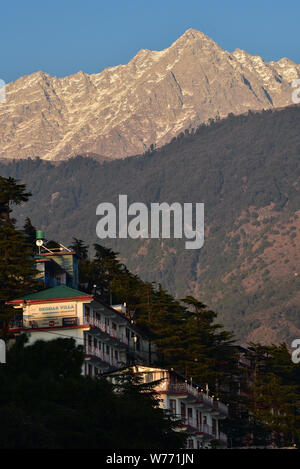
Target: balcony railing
[
  {"x": 107, "y": 329},
  {"x": 70, "y": 322},
  {"x": 176, "y": 388},
  {"x": 223, "y": 438},
  {"x": 188, "y": 389},
  {"x": 99, "y": 353},
  {"x": 202, "y": 399},
  {"x": 221, "y": 408},
  {"x": 206, "y": 430}
]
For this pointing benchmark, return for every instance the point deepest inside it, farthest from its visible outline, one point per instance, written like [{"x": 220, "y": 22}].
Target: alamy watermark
[
  {"x": 296, "y": 353},
  {"x": 296, "y": 92},
  {"x": 162, "y": 221},
  {"x": 2, "y": 92},
  {"x": 2, "y": 351}
]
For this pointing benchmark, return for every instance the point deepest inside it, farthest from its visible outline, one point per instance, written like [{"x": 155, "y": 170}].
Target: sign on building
[{"x": 50, "y": 315}]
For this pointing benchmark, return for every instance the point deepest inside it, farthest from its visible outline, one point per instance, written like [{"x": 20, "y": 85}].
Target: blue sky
[{"x": 63, "y": 36}]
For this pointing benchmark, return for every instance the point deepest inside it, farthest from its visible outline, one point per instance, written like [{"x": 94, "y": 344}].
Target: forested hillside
[{"x": 246, "y": 171}]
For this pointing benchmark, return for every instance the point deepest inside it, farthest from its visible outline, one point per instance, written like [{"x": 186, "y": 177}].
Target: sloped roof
[{"x": 61, "y": 291}]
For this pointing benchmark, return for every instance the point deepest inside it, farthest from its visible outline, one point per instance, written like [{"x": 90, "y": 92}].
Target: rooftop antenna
[{"x": 39, "y": 239}]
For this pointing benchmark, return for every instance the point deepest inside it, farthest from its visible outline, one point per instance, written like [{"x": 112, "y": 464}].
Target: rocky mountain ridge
[{"x": 124, "y": 109}]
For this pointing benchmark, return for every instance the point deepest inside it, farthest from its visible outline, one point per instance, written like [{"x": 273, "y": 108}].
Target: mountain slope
[
  {"x": 246, "y": 169},
  {"x": 125, "y": 109}
]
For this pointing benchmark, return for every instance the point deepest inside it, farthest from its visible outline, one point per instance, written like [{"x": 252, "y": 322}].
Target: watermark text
[{"x": 162, "y": 221}]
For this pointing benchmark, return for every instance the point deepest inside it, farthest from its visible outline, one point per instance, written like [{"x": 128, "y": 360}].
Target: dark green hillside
[{"x": 245, "y": 169}]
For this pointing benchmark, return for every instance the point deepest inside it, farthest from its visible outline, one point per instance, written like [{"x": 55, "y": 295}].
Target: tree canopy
[
  {"x": 16, "y": 262},
  {"x": 45, "y": 402}
]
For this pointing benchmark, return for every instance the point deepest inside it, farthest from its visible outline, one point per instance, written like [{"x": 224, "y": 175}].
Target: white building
[
  {"x": 200, "y": 414},
  {"x": 110, "y": 340},
  {"x": 111, "y": 343}
]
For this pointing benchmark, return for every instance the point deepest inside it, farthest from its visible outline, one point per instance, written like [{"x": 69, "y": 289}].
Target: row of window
[
  {"x": 98, "y": 317},
  {"x": 189, "y": 413},
  {"x": 91, "y": 370},
  {"x": 91, "y": 341},
  {"x": 195, "y": 445},
  {"x": 130, "y": 335}
]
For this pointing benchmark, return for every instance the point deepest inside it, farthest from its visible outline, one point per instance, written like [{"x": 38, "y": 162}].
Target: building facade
[
  {"x": 111, "y": 343},
  {"x": 109, "y": 339},
  {"x": 56, "y": 266},
  {"x": 199, "y": 413}
]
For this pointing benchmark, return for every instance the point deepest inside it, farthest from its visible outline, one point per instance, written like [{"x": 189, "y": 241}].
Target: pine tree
[
  {"x": 140, "y": 402},
  {"x": 16, "y": 262},
  {"x": 276, "y": 395},
  {"x": 79, "y": 248},
  {"x": 30, "y": 234},
  {"x": 45, "y": 402},
  {"x": 105, "y": 269},
  {"x": 11, "y": 193}
]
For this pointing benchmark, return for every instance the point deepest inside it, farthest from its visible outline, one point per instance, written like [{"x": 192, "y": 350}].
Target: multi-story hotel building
[
  {"x": 111, "y": 343},
  {"x": 109, "y": 339},
  {"x": 199, "y": 413}
]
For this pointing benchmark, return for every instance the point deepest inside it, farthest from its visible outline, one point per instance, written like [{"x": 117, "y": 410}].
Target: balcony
[
  {"x": 223, "y": 438},
  {"x": 205, "y": 431},
  {"x": 202, "y": 399},
  {"x": 220, "y": 408},
  {"x": 176, "y": 388},
  {"x": 106, "y": 329},
  {"x": 101, "y": 355}
]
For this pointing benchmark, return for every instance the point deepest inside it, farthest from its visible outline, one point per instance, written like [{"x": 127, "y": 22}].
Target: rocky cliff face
[{"x": 123, "y": 110}]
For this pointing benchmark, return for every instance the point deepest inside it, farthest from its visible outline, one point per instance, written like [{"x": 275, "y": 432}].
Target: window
[
  {"x": 107, "y": 350},
  {"x": 138, "y": 343},
  {"x": 204, "y": 420},
  {"x": 87, "y": 313},
  {"x": 95, "y": 343},
  {"x": 198, "y": 418},
  {"x": 190, "y": 413},
  {"x": 214, "y": 426},
  {"x": 149, "y": 377},
  {"x": 116, "y": 355},
  {"x": 173, "y": 406},
  {"x": 190, "y": 444},
  {"x": 182, "y": 409}
]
